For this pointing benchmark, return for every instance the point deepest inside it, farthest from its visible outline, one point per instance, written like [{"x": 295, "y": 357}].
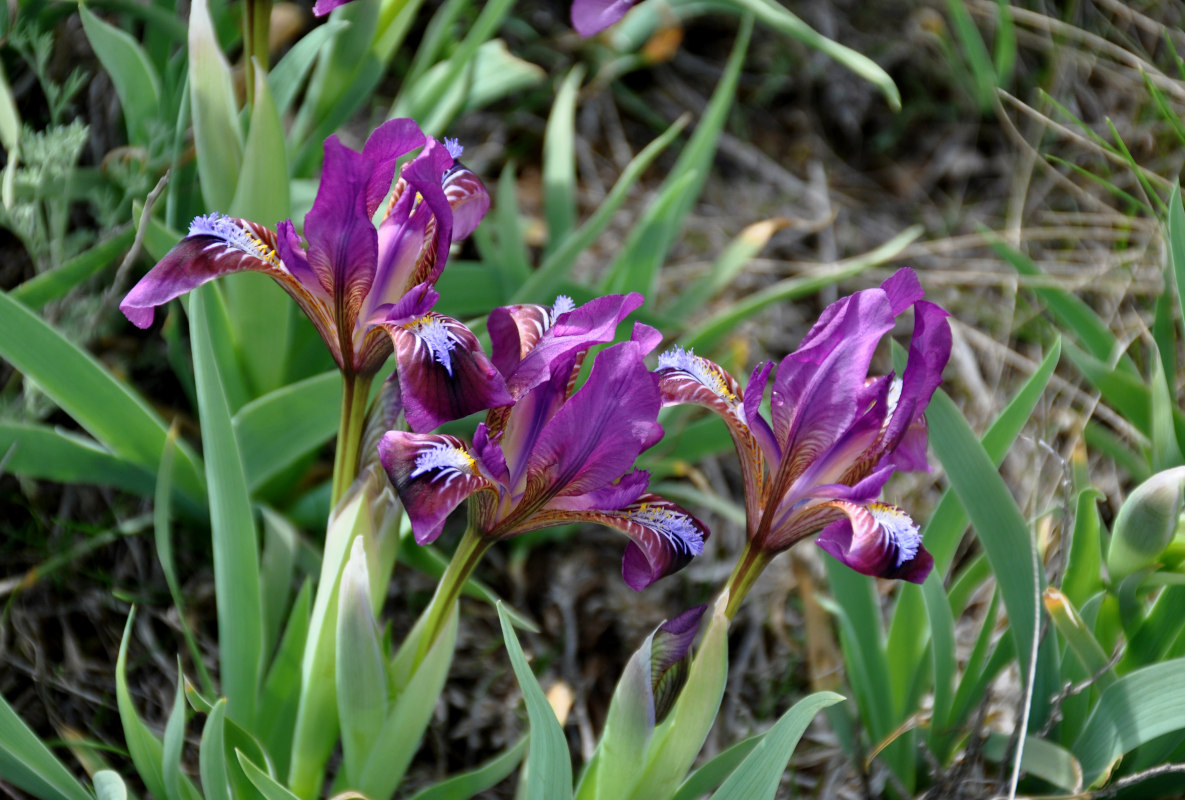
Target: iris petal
[
  {"x": 879, "y": 540},
  {"x": 590, "y": 17},
  {"x": 443, "y": 371},
  {"x": 432, "y": 473}
]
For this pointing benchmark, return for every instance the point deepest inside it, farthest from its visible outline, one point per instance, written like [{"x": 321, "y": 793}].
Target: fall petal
[
  {"x": 468, "y": 198},
  {"x": 443, "y": 371},
  {"x": 879, "y": 540},
  {"x": 216, "y": 245},
  {"x": 433, "y": 474}
]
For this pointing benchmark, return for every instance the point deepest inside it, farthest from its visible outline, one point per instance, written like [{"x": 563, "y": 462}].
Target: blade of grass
[
  {"x": 559, "y": 160},
  {"x": 232, "y": 525},
  {"x": 548, "y": 771},
  {"x": 637, "y": 264},
  {"x": 556, "y": 266},
  {"x": 1000, "y": 527},
  {"x": 470, "y": 784}
]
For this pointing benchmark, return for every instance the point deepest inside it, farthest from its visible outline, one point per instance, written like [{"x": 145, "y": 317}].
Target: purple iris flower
[
  {"x": 366, "y": 290},
  {"x": 590, "y": 17},
  {"x": 835, "y": 435},
  {"x": 555, "y": 456}
]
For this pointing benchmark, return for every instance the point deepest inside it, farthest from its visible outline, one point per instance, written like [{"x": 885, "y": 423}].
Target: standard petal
[
  {"x": 432, "y": 474},
  {"x": 343, "y": 243},
  {"x": 468, "y": 198},
  {"x": 443, "y": 371},
  {"x": 527, "y": 358},
  {"x": 595, "y": 436},
  {"x": 929, "y": 350},
  {"x": 879, "y": 540},
  {"x": 323, "y": 7},
  {"x": 590, "y": 17},
  {"x": 216, "y": 245},
  {"x": 424, "y": 174},
  {"x": 384, "y": 147}
]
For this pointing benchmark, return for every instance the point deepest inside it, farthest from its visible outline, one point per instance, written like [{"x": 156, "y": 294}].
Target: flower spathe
[
  {"x": 366, "y": 290},
  {"x": 555, "y": 456},
  {"x": 834, "y": 434}
]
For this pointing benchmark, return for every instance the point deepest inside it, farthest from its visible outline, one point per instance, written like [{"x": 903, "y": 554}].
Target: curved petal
[
  {"x": 424, "y": 174},
  {"x": 670, "y": 658},
  {"x": 684, "y": 377},
  {"x": 616, "y": 495},
  {"x": 929, "y": 350},
  {"x": 443, "y": 371},
  {"x": 879, "y": 540},
  {"x": 432, "y": 474},
  {"x": 343, "y": 242},
  {"x": 526, "y": 357},
  {"x": 468, "y": 198},
  {"x": 323, "y": 7},
  {"x": 663, "y": 539},
  {"x": 216, "y": 245},
  {"x": 384, "y": 147},
  {"x": 590, "y": 17},
  {"x": 595, "y": 436}
]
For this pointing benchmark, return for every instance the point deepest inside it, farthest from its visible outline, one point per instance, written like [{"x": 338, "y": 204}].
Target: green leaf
[
  {"x": 361, "y": 673},
  {"x": 548, "y": 771},
  {"x": 780, "y": 19},
  {"x": 759, "y": 774},
  {"x": 216, "y": 132},
  {"x": 1176, "y": 242},
  {"x": 131, "y": 72},
  {"x": 174, "y": 739},
  {"x": 1046, "y": 760},
  {"x": 471, "y": 784},
  {"x": 276, "y": 430},
  {"x": 1136, "y": 709},
  {"x": 38, "y": 451},
  {"x": 232, "y": 527},
  {"x": 637, "y": 263},
  {"x": 942, "y": 649},
  {"x": 286, "y": 76},
  {"x": 261, "y": 313},
  {"x": 736, "y": 256},
  {"x": 266, "y": 784},
  {"x": 27, "y": 764},
  {"x": 212, "y": 756},
  {"x": 281, "y": 687},
  {"x": 713, "y": 773},
  {"x": 145, "y": 749},
  {"x": 1001, "y": 528},
  {"x": 559, "y": 160},
  {"x": 10, "y": 137},
  {"x": 403, "y": 729},
  {"x": 1084, "y": 574},
  {"x": 104, "y": 406},
  {"x": 276, "y": 570}
]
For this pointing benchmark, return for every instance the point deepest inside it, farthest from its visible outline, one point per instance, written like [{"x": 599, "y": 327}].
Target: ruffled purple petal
[
  {"x": 526, "y": 356},
  {"x": 616, "y": 495},
  {"x": 929, "y": 350},
  {"x": 879, "y": 540},
  {"x": 590, "y": 17},
  {"x": 663, "y": 539},
  {"x": 384, "y": 147},
  {"x": 432, "y": 474},
  {"x": 443, "y": 371},
  {"x": 595, "y": 436}
]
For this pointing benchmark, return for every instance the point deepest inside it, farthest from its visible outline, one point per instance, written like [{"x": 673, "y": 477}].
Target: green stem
[
  {"x": 470, "y": 550},
  {"x": 257, "y": 20},
  {"x": 750, "y": 565},
  {"x": 355, "y": 393}
]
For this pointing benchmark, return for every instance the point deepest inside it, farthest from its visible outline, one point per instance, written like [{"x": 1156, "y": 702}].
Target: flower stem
[
  {"x": 470, "y": 550},
  {"x": 751, "y": 564},
  {"x": 257, "y": 17},
  {"x": 355, "y": 392}
]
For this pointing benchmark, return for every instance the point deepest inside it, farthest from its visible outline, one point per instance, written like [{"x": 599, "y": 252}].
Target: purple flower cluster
[{"x": 549, "y": 453}]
